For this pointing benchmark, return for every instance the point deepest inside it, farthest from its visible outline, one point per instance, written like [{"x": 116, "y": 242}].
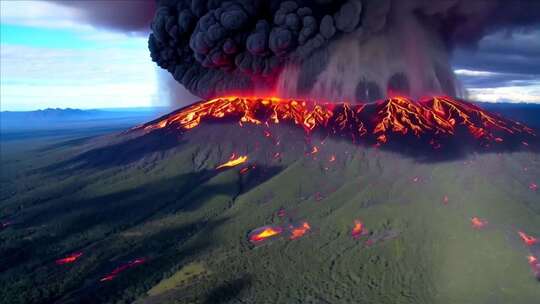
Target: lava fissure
[{"x": 435, "y": 119}]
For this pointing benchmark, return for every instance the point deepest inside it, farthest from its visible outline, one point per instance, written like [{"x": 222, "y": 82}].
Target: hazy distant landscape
[{"x": 71, "y": 122}]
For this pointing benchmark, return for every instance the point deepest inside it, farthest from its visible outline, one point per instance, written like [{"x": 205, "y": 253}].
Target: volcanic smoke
[{"x": 353, "y": 50}]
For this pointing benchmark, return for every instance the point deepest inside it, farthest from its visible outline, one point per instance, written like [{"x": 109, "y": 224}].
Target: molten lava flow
[
  {"x": 233, "y": 161},
  {"x": 119, "y": 269},
  {"x": 69, "y": 259},
  {"x": 264, "y": 233},
  {"x": 401, "y": 115},
  {"x": 478, "y": 223},
  {"x": 437, "y": 118},
  {"x": 535, "y": 265},
  {"x": 527, "y": 239},
  {"x": 299, "y": 231},
  {"x": 245, "y": 170},
  {"x": 533, "y": 261},
  {"x": 358, "y": 229},
  {"x": 479, "y": 122}
]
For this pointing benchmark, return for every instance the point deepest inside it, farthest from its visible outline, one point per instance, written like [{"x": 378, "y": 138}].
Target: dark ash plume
[{"x": 341, "y": 49}]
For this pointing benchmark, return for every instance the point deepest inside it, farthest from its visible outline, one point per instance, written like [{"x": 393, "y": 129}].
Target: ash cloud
[{"x": 344, "y": 49}]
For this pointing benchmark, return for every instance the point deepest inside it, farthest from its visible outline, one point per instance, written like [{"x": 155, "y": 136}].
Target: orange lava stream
[
  {"x": 533, "y": 261},
  {"x": 266, "y": 233},
  {"x": 118, "y": 270},
  {"x": 402, "y": 115},
  {"x": 527, "y": 239},
  {"x": 478, "y": 223},
  {"x": 440, "y": 116},
  {"x": 358, "y": 229},
  {"x": 234, "y": 161},
  {"x": 535, "y": 265},
  {"x": 298, "y": 232},
  {"x": 69, "y": 259},
  {"x": 448, "y": 108}
]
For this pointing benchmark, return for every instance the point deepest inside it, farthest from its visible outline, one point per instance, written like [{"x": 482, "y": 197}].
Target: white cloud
[
  {"x": 473, "y": 73},
  {"x": 32, "y": 78},
  {"x": 516, "y": 94}
]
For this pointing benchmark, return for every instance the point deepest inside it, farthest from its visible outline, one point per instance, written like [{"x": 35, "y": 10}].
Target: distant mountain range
[
  {"x": 69, "y": 113},
  {"x": 54, "y": 118},
  {"x": 528, "y": 113}
]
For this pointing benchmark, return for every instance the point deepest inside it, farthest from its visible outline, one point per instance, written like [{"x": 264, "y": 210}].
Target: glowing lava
[
  {"x": 245, "y": 170},
  {"x": 299, "y": 231},
  {"x": 478, "y": 223},
  {"x": 445, "y": 200},
  {"x": 358, "y": 229},
  {"x": 264, "y": 233},
  {"x": 535, "y": 265},
  {"x": 69, "y": 259},
  {"x": 527, "y": 239},
  {"x": 233, "y": 161},
  {"x": 119, "y": 269},
  {"x": 533, "y": 261},
  {"x": 437, "y": 118}
]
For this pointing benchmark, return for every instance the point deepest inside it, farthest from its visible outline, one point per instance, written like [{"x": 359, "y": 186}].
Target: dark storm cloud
[
  {"x": 501, "y": 63},
  {"x": 496, "y": 80},
  {"x": 506, "y": 58},
  {"x": 503, "y": 52},
  {"x": 119, "y": 15}
]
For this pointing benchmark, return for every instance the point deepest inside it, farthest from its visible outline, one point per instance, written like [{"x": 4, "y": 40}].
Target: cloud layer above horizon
[{"x": 51, "y": 59}]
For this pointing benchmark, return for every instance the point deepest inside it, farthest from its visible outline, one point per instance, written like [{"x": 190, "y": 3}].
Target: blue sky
[{"x": 50, "y": 58}]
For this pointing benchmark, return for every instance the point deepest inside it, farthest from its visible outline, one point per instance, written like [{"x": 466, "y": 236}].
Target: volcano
[
  {"x": 266, "y": 200},
  {"x": 437, "y": 121}
]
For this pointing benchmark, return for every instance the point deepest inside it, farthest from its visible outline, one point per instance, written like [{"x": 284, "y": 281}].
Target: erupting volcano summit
[{"x": 436, "y": 121}]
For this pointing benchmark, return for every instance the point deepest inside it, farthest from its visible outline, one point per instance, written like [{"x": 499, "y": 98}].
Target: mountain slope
[{"x": 156, "y": 194}]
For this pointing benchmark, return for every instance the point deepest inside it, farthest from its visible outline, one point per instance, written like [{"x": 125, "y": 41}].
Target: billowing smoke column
[{"x": 355, "y": 50}]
